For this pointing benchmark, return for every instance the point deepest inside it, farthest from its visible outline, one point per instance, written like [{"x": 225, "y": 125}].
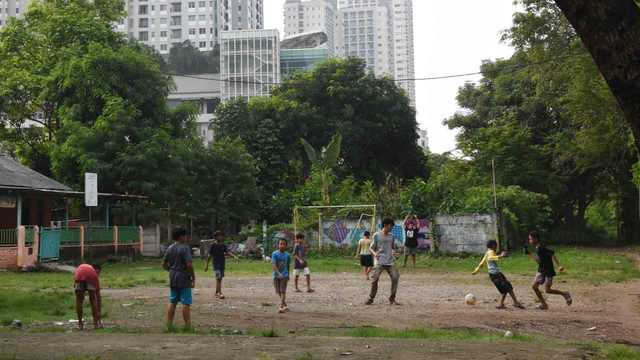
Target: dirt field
[{"x": 317, "y": 320}]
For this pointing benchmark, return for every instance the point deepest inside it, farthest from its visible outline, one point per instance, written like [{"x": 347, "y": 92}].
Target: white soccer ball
[{"x": 470, "y": 299}]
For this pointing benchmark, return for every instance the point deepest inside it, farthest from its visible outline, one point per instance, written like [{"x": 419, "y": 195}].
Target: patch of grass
[
  {"x": 537, "y": 300},
  {"x": 6, "y": 321},
  {"x": 425, "y": 333},
  {"x": 270, "y": 333},
  {"x": 267, "y": 304},
  {"x": 619, "y": 352},
  {"x": 29, "y": 306},
  {"x": 309, "y": 356}
]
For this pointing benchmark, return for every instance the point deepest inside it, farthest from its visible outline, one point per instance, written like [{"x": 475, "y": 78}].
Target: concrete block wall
[
  {"x": 466, "y": 232},
  {"x": 8, "y": 257},
  {"x": 151, "y": 241}
]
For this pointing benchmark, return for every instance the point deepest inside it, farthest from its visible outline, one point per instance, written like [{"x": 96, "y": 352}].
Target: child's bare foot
[
  {"x": 367, "y": 278},
  {"x": 297, "y": 290},
  {"x": 391, "y": 303},
  {"x": 310, "y": 290},
  {"x": 79, "y": 327},
  {"x": 569, "y": 299},
  {"x": 281, "y": 311},
  {"x": 404, "y": 265},
  {"x": 518, "y": 305}
]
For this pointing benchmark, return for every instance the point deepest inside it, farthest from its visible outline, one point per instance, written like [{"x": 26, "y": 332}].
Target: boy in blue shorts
[
  {"x": 182, "y": 278},
  {"x": 499, "y": 280},
  {"x": 281, "y": 262},
  {"x": 218, "y": 250}
]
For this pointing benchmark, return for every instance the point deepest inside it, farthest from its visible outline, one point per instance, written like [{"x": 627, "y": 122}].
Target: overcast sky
[{"x": 451, "y": 37}]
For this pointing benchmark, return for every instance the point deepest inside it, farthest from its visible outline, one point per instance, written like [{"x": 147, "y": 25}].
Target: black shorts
[
  {"x": 366, "y": 260},
  {"x": 502, "y": 284}
]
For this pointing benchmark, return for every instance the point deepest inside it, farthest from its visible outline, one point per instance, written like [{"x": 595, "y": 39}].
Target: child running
[
  {"x": 300, "y": 263},
  {"x": 281, "y": 262},
  {"x": 366, "y": 259},
  {"x": 499, "y": 280},
  {"x": 218, "y": 250},
  {"x": 545, "y": 258}
]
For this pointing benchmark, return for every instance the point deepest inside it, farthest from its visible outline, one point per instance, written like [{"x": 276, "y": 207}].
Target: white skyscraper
[
  {"x": 403, "y": 46},
  {"x": 9, "y": 8},
  {"x": 161, "y": 24},
  {"x": 364, "y": 30},
  {"x": 311, "y": 16},
  {"x": 392, "y": 43}
]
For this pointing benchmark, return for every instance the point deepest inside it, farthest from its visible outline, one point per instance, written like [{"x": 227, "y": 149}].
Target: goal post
[{"x": 336, "y": 225}]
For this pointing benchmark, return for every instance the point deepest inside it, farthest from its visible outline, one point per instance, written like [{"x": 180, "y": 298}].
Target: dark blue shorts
[{"x": 182, "y": 295}]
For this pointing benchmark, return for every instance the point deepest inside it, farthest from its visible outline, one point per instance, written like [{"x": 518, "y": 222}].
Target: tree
[
  {"x": 187, "y": 59},
  {"x": 32, "y": 47},
  {"x": 323, "y": 161},
  {"x": 226, "y": 188},
  {"x": 609, "y": 30},
  {"x": 373, "y": 115},
  {"x": 101, "y": 98}
]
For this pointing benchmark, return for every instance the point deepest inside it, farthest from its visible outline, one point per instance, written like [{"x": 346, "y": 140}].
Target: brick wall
[{"x": 8, "y": 257}]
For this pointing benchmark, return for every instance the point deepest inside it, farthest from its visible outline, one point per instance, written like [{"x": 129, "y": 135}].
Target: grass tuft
[
  {"x": 270, "y": 333},
  {"x": 309, "y": 356}
]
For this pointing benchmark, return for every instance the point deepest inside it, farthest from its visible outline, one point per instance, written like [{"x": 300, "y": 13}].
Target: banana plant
[{"x": 324, "y": 160}]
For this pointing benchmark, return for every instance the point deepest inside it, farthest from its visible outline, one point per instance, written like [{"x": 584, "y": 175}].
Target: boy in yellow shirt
[{"x": 498, "y": 279}]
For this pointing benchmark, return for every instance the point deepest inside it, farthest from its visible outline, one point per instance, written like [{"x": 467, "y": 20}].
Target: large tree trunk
[{"x": 610, "y": 30}]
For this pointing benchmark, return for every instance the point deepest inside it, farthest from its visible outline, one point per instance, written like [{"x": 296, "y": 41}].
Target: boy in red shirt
[{"x": 86, "y": 279}]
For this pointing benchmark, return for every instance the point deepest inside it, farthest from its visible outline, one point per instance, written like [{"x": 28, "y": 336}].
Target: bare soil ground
[{"x": 317, "y": 320}]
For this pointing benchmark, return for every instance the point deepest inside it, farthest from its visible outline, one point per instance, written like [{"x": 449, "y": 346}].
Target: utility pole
[{"x": 495, "y": 193}]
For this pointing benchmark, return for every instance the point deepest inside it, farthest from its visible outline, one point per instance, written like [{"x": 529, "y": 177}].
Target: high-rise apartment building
[
  {"x": 311, "y": 16},
  {"x": 161, "y": 24},
  {"x": 392, "y": 42},
  {"x": 9, "y": 8},
  {"x": 249, "y": 63},
  {"x": 403, "y": 49},
  {"x": 364, "y": 30}
]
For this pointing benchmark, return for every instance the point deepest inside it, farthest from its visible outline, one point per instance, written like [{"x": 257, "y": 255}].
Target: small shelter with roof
[{"x": 27, "y": 231}]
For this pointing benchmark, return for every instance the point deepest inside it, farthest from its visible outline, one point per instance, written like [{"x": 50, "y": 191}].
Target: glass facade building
[
  {"x": 249, "y": 63},
  {"x": 292, "y": 60}
]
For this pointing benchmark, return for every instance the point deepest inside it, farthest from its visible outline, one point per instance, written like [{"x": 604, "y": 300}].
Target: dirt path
[
  {"x": 428, "y": 301},
  {"x": 161, "y": 346},
  {"x": 337, "y": 308}
]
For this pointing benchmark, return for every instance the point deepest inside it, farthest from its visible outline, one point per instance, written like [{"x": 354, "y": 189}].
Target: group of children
[
  {"x": 545, "y": 258},
  {"x": 378, "y": 252}
]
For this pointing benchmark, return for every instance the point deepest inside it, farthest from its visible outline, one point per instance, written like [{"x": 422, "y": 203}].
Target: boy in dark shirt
[
  {"x": 218, "y": 250},
  {"x": 545, "y": 258},
  {"x": 411, "y": 242},
  {"x": 300, "y": 263}
]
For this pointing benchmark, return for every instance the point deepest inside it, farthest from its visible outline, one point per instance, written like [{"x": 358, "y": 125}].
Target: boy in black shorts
[
  {"x": 545, "y": 258},
  {"x": 499, "y": 280}
]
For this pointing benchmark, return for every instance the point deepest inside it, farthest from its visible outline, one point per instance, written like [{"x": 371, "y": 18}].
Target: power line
[{"x": 508, "y": 68}]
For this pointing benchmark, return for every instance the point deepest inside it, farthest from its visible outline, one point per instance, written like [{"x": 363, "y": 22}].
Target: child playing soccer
[
  {"x": 218, "y": 250},
  {"x": 366, "y": 259},
  {"x": 300, "y": 263},
  {"x": 281, "y": 262},
  {"x": 498, "y": 279},
  {"x": 545, "y": 258}
]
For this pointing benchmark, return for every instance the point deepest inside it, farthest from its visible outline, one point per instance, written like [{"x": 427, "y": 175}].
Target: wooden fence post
[
  {"x": 115, "y": 238},
  {"x": 82, "y": 244}
]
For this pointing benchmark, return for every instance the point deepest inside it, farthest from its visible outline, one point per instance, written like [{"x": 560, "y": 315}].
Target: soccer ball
[{"x": 470, "y": 299}]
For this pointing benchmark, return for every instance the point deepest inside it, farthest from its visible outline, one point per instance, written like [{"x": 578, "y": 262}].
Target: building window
[
  {"x": 202, "y": 45},
  {"x": 192, "y": 5},
  {"x": 163, "y": 47},
  {"x": 143, "y": 36},
  {"x": 192, "y": 31},
  {"x": 163, "y": 34},
  {"x": 202, "y": 31},
  {"x": 163, "y": 7},
  {"x": 202, "y": 17},
  {"x": 202, "y": 4},
  {"x": 192, "y": 18}
]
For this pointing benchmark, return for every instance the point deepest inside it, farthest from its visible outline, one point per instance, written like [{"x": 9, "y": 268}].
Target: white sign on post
[{"x": 91, "y": 189}]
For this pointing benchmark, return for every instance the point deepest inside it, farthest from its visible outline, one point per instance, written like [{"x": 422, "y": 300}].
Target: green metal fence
[
  {"x": 8, "y": 237},
  {"x": 98, "y": 235},
  {"x": 70, "y": 236},
  {"x": 29, "y": 235},
  {"x": 128, "y": 234}
]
